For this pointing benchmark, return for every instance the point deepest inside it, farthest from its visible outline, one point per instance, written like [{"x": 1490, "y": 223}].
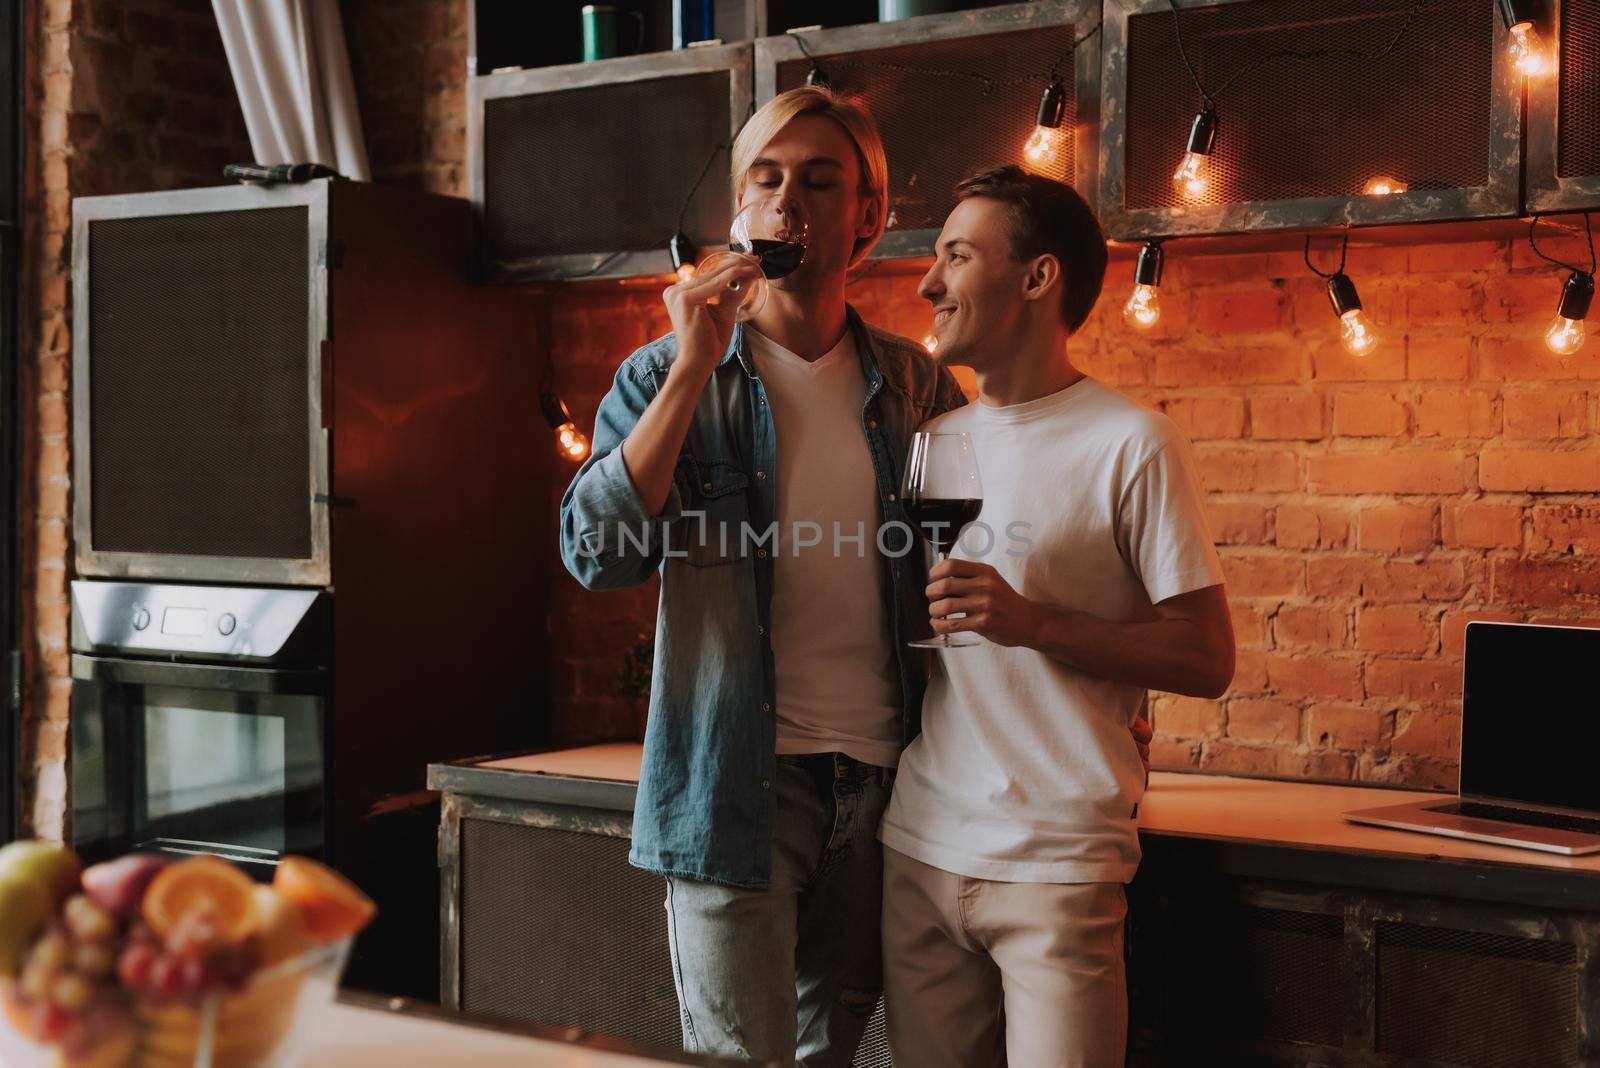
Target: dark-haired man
[{"x": 1012, "y": 827}]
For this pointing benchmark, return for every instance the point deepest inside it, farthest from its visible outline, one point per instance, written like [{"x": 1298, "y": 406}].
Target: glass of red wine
[
  {"x": 771, "y": 231},
  {"x": 942, "y": 494}
]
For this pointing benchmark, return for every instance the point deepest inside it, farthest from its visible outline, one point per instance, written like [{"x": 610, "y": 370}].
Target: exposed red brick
[
  {"x": 1330, "y": 725},
  {"x": 1394, "y": 471},
  {"x": 1230, "y": 468},
  {"x": 1547, "y": 414},
  {"x": 1315, "y": 676},
  {"x": 1481, "y": 525},
  {"x": 1394, "y": 628},
  {"x": 1262, "y": 573},
  {"x": 1380, "y": 415},
  {"x": 1430, "y": 679},
  {"x": 1565, "y": 528},
  {"x": 1400, "y": 528},
  {"x": 1286, "y": 415},
  {"x": 1254, "y": 719},
  {"x": 1456, "y": 413},
  {"x": 1301, "y": 526},
  {"x": 1528, "y": 470},
  {"x": 1311, "y": 627},
  {"x": 1546, "y": 583}
]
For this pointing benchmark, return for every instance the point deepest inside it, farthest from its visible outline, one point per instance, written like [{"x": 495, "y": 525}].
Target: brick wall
[
  {"x": 121, "y": 96},
  {"x": 1365, "y": 508}
]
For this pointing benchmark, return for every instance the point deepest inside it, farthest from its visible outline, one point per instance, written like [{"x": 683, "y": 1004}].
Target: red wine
[
  {"x": 778, "y": 258},
  {"x": 942, "y": 519}
]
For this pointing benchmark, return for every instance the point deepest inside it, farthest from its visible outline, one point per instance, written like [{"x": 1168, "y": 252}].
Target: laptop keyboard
[{"x": 1526, "y": 817}]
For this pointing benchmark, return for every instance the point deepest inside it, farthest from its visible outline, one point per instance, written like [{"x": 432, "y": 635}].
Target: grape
[
  {"x": 53, "y": 952},
  {"x": 166, "y": 977},
  {"x": 135, "y": 966},
  {"x": 71, "y": 992},
  {"x": 88, "y": 921},
  {"x": 94, "y": 959}
]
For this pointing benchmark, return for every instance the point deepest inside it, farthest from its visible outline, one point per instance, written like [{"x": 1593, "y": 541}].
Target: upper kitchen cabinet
[
  {"x": 1564, "y": 113},
  {"x": 590, "y": 170},
  {"x": 955, "y": 93},
  {"x": 1246, "y": 115}
]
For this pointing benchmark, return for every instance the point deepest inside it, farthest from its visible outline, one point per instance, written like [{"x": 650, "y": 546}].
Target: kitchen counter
[{"x": 362, "y": 1031}]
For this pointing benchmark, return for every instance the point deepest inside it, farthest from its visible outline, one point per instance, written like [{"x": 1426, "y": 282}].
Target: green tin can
[{"x": 599, "y": 32}]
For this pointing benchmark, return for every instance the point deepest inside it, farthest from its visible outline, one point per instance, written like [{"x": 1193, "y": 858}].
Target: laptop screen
[{"x": 1530, "y": 720}]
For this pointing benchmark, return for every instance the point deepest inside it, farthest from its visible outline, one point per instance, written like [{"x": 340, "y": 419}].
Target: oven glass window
[{"x": 196, "y": 770}]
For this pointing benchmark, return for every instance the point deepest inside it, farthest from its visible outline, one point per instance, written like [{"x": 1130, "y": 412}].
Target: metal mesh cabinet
[
  {"x": 543, "y": 919},
  {"x": 1282, "y": 956},
  {"x": 587, "y": 171},
  {"x": 1564, "y": 115},
  {"x": 953, "y": 94},
  {"x": 1298, "y": 139}
]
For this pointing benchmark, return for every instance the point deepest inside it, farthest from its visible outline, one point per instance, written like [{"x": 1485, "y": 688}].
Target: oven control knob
[
  {"x": 141, "y": 619},
  {"x": 226, "y": 623}
]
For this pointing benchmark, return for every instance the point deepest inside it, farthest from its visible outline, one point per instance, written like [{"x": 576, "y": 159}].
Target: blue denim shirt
[{"x": 705, "y": 801}]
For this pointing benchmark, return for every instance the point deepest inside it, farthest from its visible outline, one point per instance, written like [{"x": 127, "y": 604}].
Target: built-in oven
[{"x": 199, "y": 720}]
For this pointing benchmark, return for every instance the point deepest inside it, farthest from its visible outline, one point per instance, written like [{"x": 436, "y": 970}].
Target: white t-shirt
[
  {"x": 838, "y": 683},
  {"x": 1025, "y": 770}
]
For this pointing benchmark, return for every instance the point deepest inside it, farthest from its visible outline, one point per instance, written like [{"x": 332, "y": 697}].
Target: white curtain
[{"x": 293, "y": 75}]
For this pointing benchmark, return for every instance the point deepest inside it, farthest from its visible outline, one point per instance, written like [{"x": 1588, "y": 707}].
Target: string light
[
  {"x": 683, "y": 255},
  {"x": 1356, "y": 332},
  {"x": 930, "y": 341},
  {"x": 1383, "y": 185},
  {"x": 574, "y": 444},
  {"x": 1191, "y": 176},
  {"x": 1044, "y": 144},
  {"x": 1566, "y": 333},
  {"x": 1523, "y": 46},
  {"x": 1143, "y": 308}
]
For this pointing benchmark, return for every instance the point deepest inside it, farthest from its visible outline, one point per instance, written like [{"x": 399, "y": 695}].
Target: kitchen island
[{"x": 1262, "y": 924}]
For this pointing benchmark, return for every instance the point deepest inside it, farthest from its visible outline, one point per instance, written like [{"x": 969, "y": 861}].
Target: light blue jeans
[{"x": 791, "y": 973}]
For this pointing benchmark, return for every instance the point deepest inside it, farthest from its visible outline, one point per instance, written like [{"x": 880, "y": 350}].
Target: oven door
[{"x": 194, "y": 758}]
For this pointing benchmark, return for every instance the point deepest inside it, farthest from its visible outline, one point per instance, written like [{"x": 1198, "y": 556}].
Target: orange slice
[
  {"x": 202, "y": 886},
  {"x": 333, "y": 906}
]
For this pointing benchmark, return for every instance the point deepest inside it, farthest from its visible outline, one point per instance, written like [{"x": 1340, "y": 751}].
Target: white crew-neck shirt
[
  {"x": 838, "y": 683},
  {"x": 1025, "y": 770}
]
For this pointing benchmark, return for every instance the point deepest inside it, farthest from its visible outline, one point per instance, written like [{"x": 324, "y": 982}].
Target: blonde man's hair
[{"x": 849, "y": 114}]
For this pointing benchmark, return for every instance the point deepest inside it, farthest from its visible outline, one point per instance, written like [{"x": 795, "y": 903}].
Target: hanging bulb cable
[
  {"x": 1143, "y": 308},
  {"x": 1566, "y": 333},
  {"x": 1356, "y": 332},
  {"x": 1523, "y": 46},
  {"x": 1191, "y": 177},
  {"x": 574, "y": 443},
  {"x": 1045, "y": 145}
]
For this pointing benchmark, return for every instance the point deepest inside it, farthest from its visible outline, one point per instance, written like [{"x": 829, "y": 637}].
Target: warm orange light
[
  {"x": 1143, "y": 308},
  {"x": 1565, "y": 336},
  {"x": 1383, "y": 185},
  {"x": 1043, "y": 148},
  {"x": 574, "y": 443},
  {"x": 1356, "y": 333},
  {"x": 1527, "y": 51},
  {"x": 1191, "y": 176},
  {"x": 930, "y": 342},
  {"x": 686, "y": 272}
]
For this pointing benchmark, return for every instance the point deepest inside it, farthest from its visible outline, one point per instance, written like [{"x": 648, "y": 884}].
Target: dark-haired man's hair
[{"x": 1049, "y": 217}]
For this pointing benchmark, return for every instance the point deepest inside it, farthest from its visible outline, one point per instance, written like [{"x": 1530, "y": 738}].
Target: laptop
[{"x": 1530, "y": 744}]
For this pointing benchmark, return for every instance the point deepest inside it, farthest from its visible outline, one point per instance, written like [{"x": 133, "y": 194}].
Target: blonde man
[{"x": 783, "y": 689}]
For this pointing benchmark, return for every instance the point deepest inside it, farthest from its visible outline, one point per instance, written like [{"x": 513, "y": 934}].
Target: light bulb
[
  {"x": 683, "y": 252},
  {"x": 1044, "y": 146},
  {"x": 1383, "y": 185},
  {"x": 1143, "y": 308},
  {"x": 1565, "y": 336},
  {"x": 930, "y": 342},
  {"x": 685, "y": 272},
  {"x": 1526, "y": 50},
  {"x": 1567, "y": 333},
  {"x": 574, "y": 443},
  {"x": 1191, "y": 177},
  {"x": 1356, "y": 332}
]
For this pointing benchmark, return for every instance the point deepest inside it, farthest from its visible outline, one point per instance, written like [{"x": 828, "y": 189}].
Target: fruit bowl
[
  {"x": 266, "y": 1024},
  {"x": 149, "y": 962}
]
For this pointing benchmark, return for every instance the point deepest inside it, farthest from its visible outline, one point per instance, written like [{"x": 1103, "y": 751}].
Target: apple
[
  {"x": 49, "y": 864},
  {"x": 25, "y": 907}
]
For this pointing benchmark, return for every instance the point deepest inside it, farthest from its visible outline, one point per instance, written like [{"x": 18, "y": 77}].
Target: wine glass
[
  {"x": 942, "y": 493},
  {"x": 772, "y": 233}
]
